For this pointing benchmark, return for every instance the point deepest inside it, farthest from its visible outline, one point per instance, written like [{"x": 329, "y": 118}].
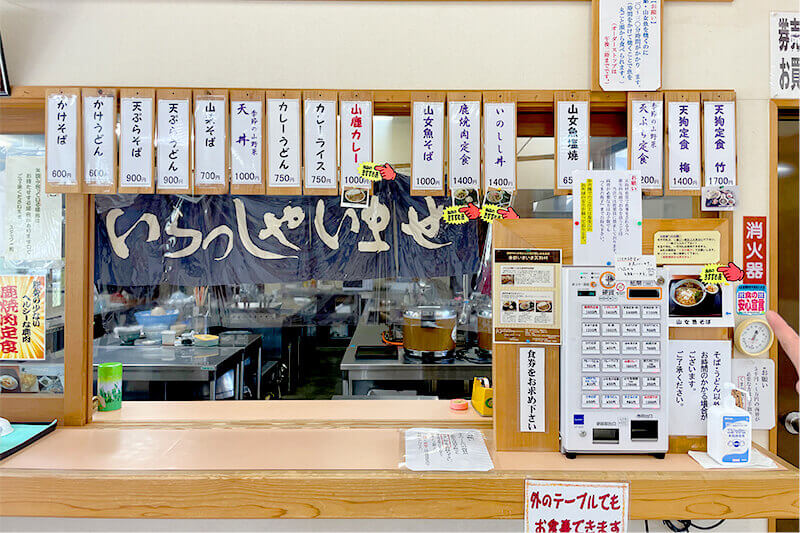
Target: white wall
[{"x": 390, "y": 45}]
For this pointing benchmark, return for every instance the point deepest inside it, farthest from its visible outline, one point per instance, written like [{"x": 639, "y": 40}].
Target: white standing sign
[
  {"x": 172, "y": 142},
  {"x": 355, "y": 140},
  {"x": 647, "y": 145},
  {"x": 320, "y": 144},
  {"x": 99, "y": 121},
  {"x": 606, "y": 215},
  {"x": 136, "y": 142},
  {"x": 784, "y": 59},
  {"x": 209, "y": 141},
  {"x": 576, "y": 506},
  {"x": 572, "y": 140},
  {"x": 630, "y": 45},
  {"x": 684, "y": 146},
  {"x": 246, "y": 142},
  {"x": 757, "y": 378},
  {"x": 698, "y": 369},
  {"x": 500, "y": 145},
  {"x": 464, "y": 130},
  {"x": 531, "y": 389},
  {"x": 427, "y": 164},
  {"x": 62, "y": 139},
  {"x": 719, "y": 146},
  {"x": 283, "y": 134}
]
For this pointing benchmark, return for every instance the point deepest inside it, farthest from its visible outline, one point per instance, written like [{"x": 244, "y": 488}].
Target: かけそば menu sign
[
  {"x": 22, "y": 306},
  {"x": 574, "y": 506}
]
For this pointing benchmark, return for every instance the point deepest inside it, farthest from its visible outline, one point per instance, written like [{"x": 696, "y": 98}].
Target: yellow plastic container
[{"x": 482, "y": 398}]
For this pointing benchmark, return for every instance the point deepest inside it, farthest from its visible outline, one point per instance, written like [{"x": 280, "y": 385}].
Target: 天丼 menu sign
[
  {"x": 527, "y": 296},
  {"x": 22, "y": 301}
]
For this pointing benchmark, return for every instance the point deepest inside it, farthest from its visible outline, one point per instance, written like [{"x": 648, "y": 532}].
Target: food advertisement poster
[
  {"x": 693, "y": 303},
  {"x": 22, "y": 318},
  {"x": 526, "y": 293}
]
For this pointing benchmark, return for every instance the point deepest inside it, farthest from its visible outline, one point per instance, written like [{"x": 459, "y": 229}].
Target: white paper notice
[
  {"x": 719, "y": 146},
  {"x": 531, "y": 389},
  {"x": 209, "y": 141},
  {"x": 575, "y": 505},
  {"x": 784, "y": 58},
  {"x": 630, "y": 45},
  {"x": 697, "y": 371},
  {"x": 464, "y": 129},
  {"x": 283, "y": 133},
  {"x": 136, "y": 142},
  {"x": 458, "y": 450},
  {"x": 606, "y": 216},
  {"x": 356, "y": 140},
  {"x": 684, "y": 145},
  {"x": 320, "y": 144},
  {"x": 246, "y": 142},
  {"x": 757, "y": 377},
  {"x": 500, "y": 145},
  {"x": 172, "y": 142},
  {"x": 635, "y": 267},
  {"x": 572, "y": 141},
  {"x": 32, "y": 218},
  {"x": 427, "y": 164},
  {"x": 62, "y": 139},
  {"x": 647, "y": 148},
  {"x": 99, "y": 121}
]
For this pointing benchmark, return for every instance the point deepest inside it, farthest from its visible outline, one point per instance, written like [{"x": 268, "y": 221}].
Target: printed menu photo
[
  {"x": 526, "y": 296},
  {"x": 693, "y": 303}
]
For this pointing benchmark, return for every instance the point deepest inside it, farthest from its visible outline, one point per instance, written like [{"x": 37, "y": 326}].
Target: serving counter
[{"x": 261, "y": 460}]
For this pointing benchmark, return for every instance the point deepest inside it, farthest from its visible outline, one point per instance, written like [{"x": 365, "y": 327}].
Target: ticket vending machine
[{"x": 614, "y": 371}]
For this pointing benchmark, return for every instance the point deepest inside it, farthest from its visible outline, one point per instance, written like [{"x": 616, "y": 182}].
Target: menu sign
[
  {"x": 647, "y": 148},
  {"x": 527, "y": 296}
]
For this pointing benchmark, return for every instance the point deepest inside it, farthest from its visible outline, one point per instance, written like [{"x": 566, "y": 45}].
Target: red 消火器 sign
[{"x": 754, "y": 251}]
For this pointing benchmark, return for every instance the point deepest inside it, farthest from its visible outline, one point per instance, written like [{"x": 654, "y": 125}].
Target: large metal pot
[{"x": 429, "y": 333}]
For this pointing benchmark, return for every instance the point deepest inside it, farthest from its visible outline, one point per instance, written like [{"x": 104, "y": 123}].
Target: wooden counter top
[
  {"x": 292, "y": 414},
  {"x": 141, "y": 472}
]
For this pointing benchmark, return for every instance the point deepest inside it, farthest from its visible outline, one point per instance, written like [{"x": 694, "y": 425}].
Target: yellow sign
[
  {"x": 686, "y": 247},
  {"x": 710, "y": 274},
  {"x": 368, "y": 172},
  {"x": 452, "y": 215},
  {"x": 489, "y": 213},
  {"x": 587, "y": 206},
  {"x": 22, "y": 317}
]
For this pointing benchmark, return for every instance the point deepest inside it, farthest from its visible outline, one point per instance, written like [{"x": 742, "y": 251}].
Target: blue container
[{"x": 147, "y": 320}]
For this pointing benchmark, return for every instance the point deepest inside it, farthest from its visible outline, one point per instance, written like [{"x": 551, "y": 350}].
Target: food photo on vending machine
[{"x": 326, "y": 290}]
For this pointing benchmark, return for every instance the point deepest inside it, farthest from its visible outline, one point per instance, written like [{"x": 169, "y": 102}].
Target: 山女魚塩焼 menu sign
[
  {"x": 22, "y": 317},
  {"x": 629, "y": 45},
  {"x": 526, "y": 296}
]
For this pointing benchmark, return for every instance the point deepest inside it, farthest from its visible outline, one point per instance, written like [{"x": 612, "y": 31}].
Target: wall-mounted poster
[
  {"x": 500, "y": 145},
  {"x": 784, "y": 58},
  {"x": 630, "y": 45},
  {"x": 527, "y": 296},
  {"x": 464, "y": 163},
  {"x": 22, "y": 312},
  {"x": 719, "y": 146},
  {"x": 572, "y": 140},
  {"x": 647, "y": 145},
  {"x": 695, "y": 304}
]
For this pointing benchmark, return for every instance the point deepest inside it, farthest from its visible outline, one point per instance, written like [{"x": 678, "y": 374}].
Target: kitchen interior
[{"x": 385, "y": 338}]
